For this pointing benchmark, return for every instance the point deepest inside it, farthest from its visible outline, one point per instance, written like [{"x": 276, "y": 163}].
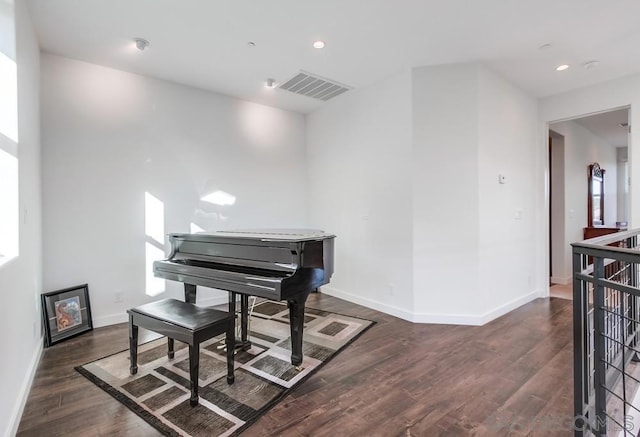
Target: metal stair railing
[{"x": 606, "y": 328}]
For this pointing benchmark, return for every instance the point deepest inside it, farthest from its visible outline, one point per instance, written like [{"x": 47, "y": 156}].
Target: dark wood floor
[{"x": 398, "y": 379}]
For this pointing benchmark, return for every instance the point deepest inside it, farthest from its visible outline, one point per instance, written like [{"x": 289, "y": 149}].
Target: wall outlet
[
  {"x": 391, "y": 288},
  {"x": 118, "y": 297}
]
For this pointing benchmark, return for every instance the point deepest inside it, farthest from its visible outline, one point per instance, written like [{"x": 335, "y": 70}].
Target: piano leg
[
  {"x": 190, "y": 293},
  {"x": 296, "y": 321},
  {"x": 232, "y": 304},
  {"x": 170, "y": 351},
  {"x": 133, "y": 346}
]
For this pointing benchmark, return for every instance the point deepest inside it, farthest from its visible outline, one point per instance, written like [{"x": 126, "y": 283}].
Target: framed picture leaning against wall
[{"x": 66, "y": 313}]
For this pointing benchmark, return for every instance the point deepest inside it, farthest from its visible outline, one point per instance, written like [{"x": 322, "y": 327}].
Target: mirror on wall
[{"x": 595, "y": 206}]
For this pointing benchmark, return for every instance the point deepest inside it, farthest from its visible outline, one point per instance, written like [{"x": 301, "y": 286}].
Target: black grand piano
[{"x": 274, "y": 264}]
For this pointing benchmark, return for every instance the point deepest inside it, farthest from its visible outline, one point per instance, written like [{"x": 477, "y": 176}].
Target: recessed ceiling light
[
  {"x": 591, "y": 64},
  {"x": 562, "y": 67},
  {"x": 544, "y": 47},
  {"x": 141, "y": 43},
  {"x": 251, "y": 44},
  {"x": 318, "y": 44},
  {"x": 270, "y": 83}
]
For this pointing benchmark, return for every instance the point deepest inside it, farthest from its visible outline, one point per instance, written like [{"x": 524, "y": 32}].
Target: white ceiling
[
  {"x": 607, "y": 126},
  {"x": 203, "y": 43}
]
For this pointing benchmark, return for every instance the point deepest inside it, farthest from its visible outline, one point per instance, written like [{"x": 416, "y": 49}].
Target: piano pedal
[
  {"x": 224, "y": 347},
  {"x": 299, "y": 368},
  {"x": 239, "y": 346}
]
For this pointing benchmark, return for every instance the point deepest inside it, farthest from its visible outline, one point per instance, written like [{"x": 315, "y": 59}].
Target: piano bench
[{"x": 187, "y": 323}]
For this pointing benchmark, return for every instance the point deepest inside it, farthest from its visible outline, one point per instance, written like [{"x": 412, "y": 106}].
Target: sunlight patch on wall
[
  {"x": 154, "y": 286},
  {"x": 213, "y": 208},
  {"x": 219, "y": 197},
  {"x": 154, "y": 218},
  {"x": 154, "y": 245},
  {"x": 195, "y": 228}
]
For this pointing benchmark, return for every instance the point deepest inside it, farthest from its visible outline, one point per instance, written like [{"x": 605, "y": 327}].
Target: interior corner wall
[
  {"x": 110, "y": 136},
  {"x": 507, "y": 211},
  {"x": 359, "y": 164},
  {"x": 474, "y": 238},
  {"x": 581, "y": 148},
  {"x": 445, "y": 194},
  {"x": 21, "y": 278},
  {"x": 398, "y": 172}
]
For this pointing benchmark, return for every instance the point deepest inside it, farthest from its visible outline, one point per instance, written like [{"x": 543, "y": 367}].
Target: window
[{"x": 9, "y": 200}]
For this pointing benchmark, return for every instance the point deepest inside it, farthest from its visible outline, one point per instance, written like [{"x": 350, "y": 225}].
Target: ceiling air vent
[{"x": 312, "y": 85}]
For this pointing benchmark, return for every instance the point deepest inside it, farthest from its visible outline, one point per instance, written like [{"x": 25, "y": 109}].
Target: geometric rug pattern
[{"x": 159, "y": 392}]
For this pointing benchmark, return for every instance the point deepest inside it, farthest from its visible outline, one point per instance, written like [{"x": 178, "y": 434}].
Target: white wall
[
  {"x": 446, "y": 210},
  {"x": 21, "y": 278},
  {"x": 110, "y": 136},
  {"x": 359, "y": 163},
  {"x": 622, "y": 183}
]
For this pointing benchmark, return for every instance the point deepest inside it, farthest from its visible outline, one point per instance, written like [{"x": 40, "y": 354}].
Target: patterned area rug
[{"x": 159, "y": 392}]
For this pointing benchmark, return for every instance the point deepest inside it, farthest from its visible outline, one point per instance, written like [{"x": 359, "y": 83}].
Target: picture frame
[{"x": 66, "y": 313}]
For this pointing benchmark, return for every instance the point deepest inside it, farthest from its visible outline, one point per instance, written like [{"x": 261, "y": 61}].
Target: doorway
[{"x": 575, "y": 144}]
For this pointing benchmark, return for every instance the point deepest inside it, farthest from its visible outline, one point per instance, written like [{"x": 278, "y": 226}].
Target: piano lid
[{"x": 267, "y": 234}]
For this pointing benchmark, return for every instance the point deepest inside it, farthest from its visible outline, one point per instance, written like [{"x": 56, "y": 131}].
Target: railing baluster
[
  {"x": 580, "y": 344},
  {"x": 600, "y": 352}
]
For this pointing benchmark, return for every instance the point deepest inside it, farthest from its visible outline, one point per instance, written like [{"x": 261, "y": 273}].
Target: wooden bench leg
[
  {"x": 231, "y": 346},
  {"x": 170, "y": 352},
  {"x": 133, "y": 346},
  {"x": 194, "y": 367}
]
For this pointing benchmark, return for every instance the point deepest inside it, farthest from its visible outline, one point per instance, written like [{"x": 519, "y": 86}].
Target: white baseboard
[
  {"x": 122, "y": 317},
  {"x": 110, "y": 319},
  {"x": 23, "y": 395},
  {"x": 561, "y": 281},
  {"x": 449, "y": 319},
  {"x": 369, "y": 303},
  {"x": 477, "y": 319}
]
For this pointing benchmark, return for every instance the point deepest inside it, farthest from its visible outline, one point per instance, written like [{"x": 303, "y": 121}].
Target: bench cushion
[{"x": 183, "y": 314}]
